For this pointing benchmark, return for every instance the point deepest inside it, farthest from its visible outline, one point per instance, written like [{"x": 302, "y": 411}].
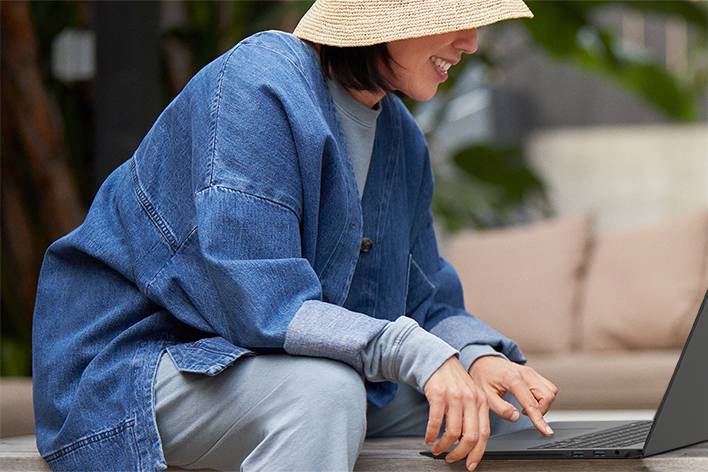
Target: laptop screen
[{"x": 682, "y": 417}]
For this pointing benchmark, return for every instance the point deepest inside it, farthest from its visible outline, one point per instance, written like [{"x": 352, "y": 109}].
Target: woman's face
[{"x": 420, "y": 64}]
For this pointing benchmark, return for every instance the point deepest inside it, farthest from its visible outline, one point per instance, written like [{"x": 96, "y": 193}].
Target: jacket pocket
[
  {"x": 206, "y": 356},
  {"x": 419, "y": 291},
  {"x": 110, "y": 449}
]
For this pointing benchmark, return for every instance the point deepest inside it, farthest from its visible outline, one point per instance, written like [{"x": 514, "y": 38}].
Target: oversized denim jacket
[{"x": 235, "y": 229}]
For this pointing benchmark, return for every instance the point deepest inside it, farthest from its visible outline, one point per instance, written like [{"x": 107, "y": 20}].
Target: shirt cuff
[
  {"x": 472, "y": 352},
  {"x": 321, "y": 329},
  {"x": 421, "y": 354},
  {"x": 405, "y": 352}
]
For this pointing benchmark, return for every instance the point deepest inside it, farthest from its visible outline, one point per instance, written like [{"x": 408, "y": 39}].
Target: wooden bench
[{"x": 401, "y": 454}]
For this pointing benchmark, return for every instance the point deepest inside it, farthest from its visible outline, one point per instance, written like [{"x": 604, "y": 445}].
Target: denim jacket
[{"x": 235, "y": 229}]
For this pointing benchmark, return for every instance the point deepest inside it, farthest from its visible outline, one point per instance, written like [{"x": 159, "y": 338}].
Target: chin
[{"x": 424, "y": 95}]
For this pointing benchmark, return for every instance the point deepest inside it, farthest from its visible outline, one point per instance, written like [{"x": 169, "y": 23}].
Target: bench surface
[{"x": 401, "y": 454}]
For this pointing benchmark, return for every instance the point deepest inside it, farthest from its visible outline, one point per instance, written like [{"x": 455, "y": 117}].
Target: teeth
[{"x": 442, "y": 65}]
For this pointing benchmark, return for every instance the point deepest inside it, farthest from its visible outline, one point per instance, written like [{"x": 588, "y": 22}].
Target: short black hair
[{"x": 357, "y": 67}]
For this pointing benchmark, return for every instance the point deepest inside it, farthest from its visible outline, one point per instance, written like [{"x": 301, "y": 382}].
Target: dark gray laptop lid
[{"x": 682, "y": 417}]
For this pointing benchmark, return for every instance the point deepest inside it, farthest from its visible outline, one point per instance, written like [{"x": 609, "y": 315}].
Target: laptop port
[
  {"x": 598, "y": 453},
  {"x": 578, "y": 454}
]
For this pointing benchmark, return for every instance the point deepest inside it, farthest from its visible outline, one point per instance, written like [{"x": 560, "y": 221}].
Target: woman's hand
[
  {"x": 496, "y": 376},
  {"x": 452, "y": 393}
]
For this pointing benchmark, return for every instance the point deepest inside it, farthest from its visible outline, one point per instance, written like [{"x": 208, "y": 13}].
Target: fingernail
[
  {"x": 472, "y": 466},
  {"x": 515, "y": 415},
  {"x": 549, "y": 430}
]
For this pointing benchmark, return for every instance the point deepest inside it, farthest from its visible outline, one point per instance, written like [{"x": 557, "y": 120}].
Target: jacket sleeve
[
  {"x": 266, "y": 295},
  {"x": 443, "y": 307}
]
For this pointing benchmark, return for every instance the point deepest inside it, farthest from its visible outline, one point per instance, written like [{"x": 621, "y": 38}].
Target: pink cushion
[
  {"x": 524, "y": 281},
  {"x": 644, "y": 286}
]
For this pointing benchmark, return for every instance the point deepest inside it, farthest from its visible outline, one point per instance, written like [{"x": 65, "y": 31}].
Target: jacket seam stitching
[
  {"x": 415, "y": 235},
  {"x": 137, "y": 447},
  {"x": 408, "y": 281},
  {"x": 425, "y": 276},
  {"x": 392, "y": 167},
  {"x": 90, "y": 439},
  {"x": 169, "y": 260},
  {"x": 340, "y": 133},
  {"x": 200, "y": 345},
  {"x": 215, "y": 107},
  {"x": 177, "y": 250},
  {"x": 142, "y": 446},
  {"x": 153, "y": 413},
  {"x": 150, "y": 209},
  {"x": 252, "y": 196}
]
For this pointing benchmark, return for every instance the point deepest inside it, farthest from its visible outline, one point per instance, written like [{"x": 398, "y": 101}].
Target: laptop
[{"x": 680, "y": 421}]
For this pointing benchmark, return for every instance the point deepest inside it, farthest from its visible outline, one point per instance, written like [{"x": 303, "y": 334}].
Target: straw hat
[{"x": 365, "y": 22}]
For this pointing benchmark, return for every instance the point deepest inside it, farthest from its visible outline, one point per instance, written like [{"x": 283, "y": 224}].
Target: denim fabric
[{"x": 238, "y": 206}]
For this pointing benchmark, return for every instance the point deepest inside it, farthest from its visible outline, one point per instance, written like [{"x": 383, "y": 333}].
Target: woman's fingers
[
  {"x": 543, "y": 396},
  {"x": 470, "y": 429},
  {"x": 551, "y": 386},
  {"x": 551, "y": 392},
  {"x": 453, "y": 425},
  {"x": 475, "y": 456},
  {"x": 435, "y": 417},
  {"x": 501, "y": 407},
  {"x": 522, "y": 392},
  {"x": 543, "y": 390}
]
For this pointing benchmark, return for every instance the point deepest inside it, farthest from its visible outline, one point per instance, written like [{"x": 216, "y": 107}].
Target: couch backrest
[{"x": 553, "y": 286}]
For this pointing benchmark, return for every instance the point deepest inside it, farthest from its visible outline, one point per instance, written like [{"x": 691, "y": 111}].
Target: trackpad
[
  {"x": 533, "y": 434},
  {"x": 531, "y": 437}
]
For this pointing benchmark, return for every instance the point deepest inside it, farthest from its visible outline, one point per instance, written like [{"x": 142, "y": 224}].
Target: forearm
[{"x": 398, "y": 351}]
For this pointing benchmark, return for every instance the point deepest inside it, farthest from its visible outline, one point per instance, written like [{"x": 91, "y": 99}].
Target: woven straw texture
[{"x": 364, "y": 22}]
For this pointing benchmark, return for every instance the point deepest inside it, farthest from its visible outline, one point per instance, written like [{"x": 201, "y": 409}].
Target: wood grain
[{"x": 401, "y": 454}]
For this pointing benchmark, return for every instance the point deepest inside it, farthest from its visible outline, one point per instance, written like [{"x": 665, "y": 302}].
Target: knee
[{"x": 330, "y": 391}]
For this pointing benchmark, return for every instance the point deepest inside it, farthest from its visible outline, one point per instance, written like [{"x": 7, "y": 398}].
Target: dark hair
[{"x": 357, "y": 67}]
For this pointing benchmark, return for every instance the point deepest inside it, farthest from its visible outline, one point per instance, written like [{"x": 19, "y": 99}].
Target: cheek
[{"x": 416, "y": 78}]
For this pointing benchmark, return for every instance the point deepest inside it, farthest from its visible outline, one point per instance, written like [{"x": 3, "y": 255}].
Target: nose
[{"x": 466, "y": 40}]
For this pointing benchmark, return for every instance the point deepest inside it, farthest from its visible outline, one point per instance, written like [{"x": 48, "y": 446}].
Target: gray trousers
[{"x": 281, "y": 412}]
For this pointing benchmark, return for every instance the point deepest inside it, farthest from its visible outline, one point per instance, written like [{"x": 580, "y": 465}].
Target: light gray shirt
[{"x": 358, "y": 123}]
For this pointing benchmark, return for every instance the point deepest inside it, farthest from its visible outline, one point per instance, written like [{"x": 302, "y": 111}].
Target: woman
[{"x": 235, "y": 297}]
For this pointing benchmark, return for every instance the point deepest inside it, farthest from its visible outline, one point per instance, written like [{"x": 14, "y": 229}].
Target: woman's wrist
[{"x": 421, "y": 353}]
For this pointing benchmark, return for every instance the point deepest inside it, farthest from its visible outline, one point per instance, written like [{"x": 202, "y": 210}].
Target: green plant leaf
[{"x": 565, "y": 31}]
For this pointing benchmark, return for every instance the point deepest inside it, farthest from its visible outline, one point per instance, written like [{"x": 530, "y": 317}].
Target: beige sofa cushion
[
  {"x": 644, "y": 286},
  {"x": 16, "y": 411},
  {"x": 524, "y": 281},
  {"x": 607, "y": 379}
]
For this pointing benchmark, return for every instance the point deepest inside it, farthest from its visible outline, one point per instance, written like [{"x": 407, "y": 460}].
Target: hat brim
[{"x": 347, "y": 23}]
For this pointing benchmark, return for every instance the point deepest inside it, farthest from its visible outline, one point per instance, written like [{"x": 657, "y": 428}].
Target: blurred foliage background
[{"x": 48, "y": 126}]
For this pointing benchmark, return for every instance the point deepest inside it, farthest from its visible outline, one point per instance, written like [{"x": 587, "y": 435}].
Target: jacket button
[{"x": 366, "y": 245}]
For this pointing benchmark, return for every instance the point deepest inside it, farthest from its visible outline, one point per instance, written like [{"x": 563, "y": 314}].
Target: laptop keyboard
[{"x": 621, "y": 436}]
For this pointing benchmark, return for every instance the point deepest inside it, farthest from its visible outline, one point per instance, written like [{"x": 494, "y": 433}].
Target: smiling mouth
[{"x": 440, "y": 64}]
